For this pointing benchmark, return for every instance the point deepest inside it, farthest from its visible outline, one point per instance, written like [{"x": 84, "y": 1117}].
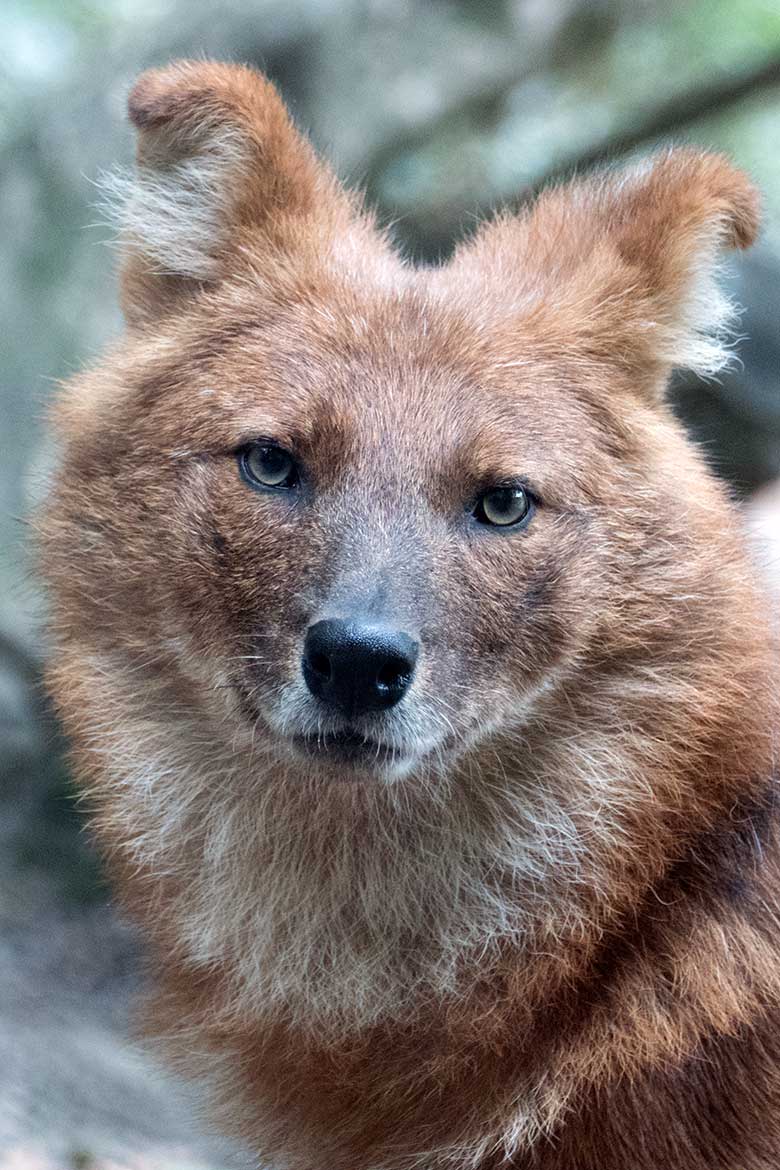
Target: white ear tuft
[
  {"x": 703, "y": 337},
  {"x": 675, "y": 217},
  {"x": 178, "y": 215}
]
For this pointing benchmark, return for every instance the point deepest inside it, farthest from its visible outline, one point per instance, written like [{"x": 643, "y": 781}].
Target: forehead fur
[{"x": 400, "y": 382}]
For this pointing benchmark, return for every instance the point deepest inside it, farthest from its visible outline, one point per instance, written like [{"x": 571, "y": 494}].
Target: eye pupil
[
  {"x": 266, "y": 465},
  {"x": 503, "y": 506}
]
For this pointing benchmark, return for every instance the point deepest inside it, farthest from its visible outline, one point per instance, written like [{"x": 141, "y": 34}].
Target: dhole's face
[
  {"x": 362, "y": 517},
  {"x": 376, "y": 541}
]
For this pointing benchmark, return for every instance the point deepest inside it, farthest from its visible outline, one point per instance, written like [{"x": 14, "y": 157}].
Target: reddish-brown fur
[{"x": 551, "y": 939}]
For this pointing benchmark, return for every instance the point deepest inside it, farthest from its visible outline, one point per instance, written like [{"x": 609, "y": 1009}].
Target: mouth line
[
  {"x": 349, "y": 747},
  {"x": 340, "y": 745}
]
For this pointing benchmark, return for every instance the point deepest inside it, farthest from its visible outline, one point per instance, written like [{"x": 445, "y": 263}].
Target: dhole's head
[{"x": 363, "y": 515}]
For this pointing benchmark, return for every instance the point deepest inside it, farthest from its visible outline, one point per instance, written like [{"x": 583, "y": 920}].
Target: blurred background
[{"x": 441, "y": 109}]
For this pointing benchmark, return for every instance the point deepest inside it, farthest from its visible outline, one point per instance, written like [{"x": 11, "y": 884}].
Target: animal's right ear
[{"x": 222, "y": 176}]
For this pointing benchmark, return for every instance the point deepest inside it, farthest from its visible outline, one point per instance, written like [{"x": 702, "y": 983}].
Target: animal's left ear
[{"x": 629, "y": 258}]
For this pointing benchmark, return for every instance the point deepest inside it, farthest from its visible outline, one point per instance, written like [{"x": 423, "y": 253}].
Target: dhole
[{"x": 414, "y": 664}]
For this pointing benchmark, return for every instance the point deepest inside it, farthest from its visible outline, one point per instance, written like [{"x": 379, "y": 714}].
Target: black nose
[{"x": 356, "y": 667}]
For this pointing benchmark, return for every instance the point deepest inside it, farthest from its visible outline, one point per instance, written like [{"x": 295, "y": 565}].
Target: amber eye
[
  {"x": 503, "y": 506},
  {"x": 266, "y": 465}
]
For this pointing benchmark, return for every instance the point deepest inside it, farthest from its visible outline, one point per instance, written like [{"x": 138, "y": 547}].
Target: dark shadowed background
[{"x": 441, "y": 109}]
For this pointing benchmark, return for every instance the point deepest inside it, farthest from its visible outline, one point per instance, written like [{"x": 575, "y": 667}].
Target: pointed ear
[
  {"x": 629, "y": 258},
  {"x": 221, "y": 174}
]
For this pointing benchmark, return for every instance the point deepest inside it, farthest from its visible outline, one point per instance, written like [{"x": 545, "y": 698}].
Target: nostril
[
  {"x": 320, "y": 664},
  {"x": 394, "y": 672}
]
